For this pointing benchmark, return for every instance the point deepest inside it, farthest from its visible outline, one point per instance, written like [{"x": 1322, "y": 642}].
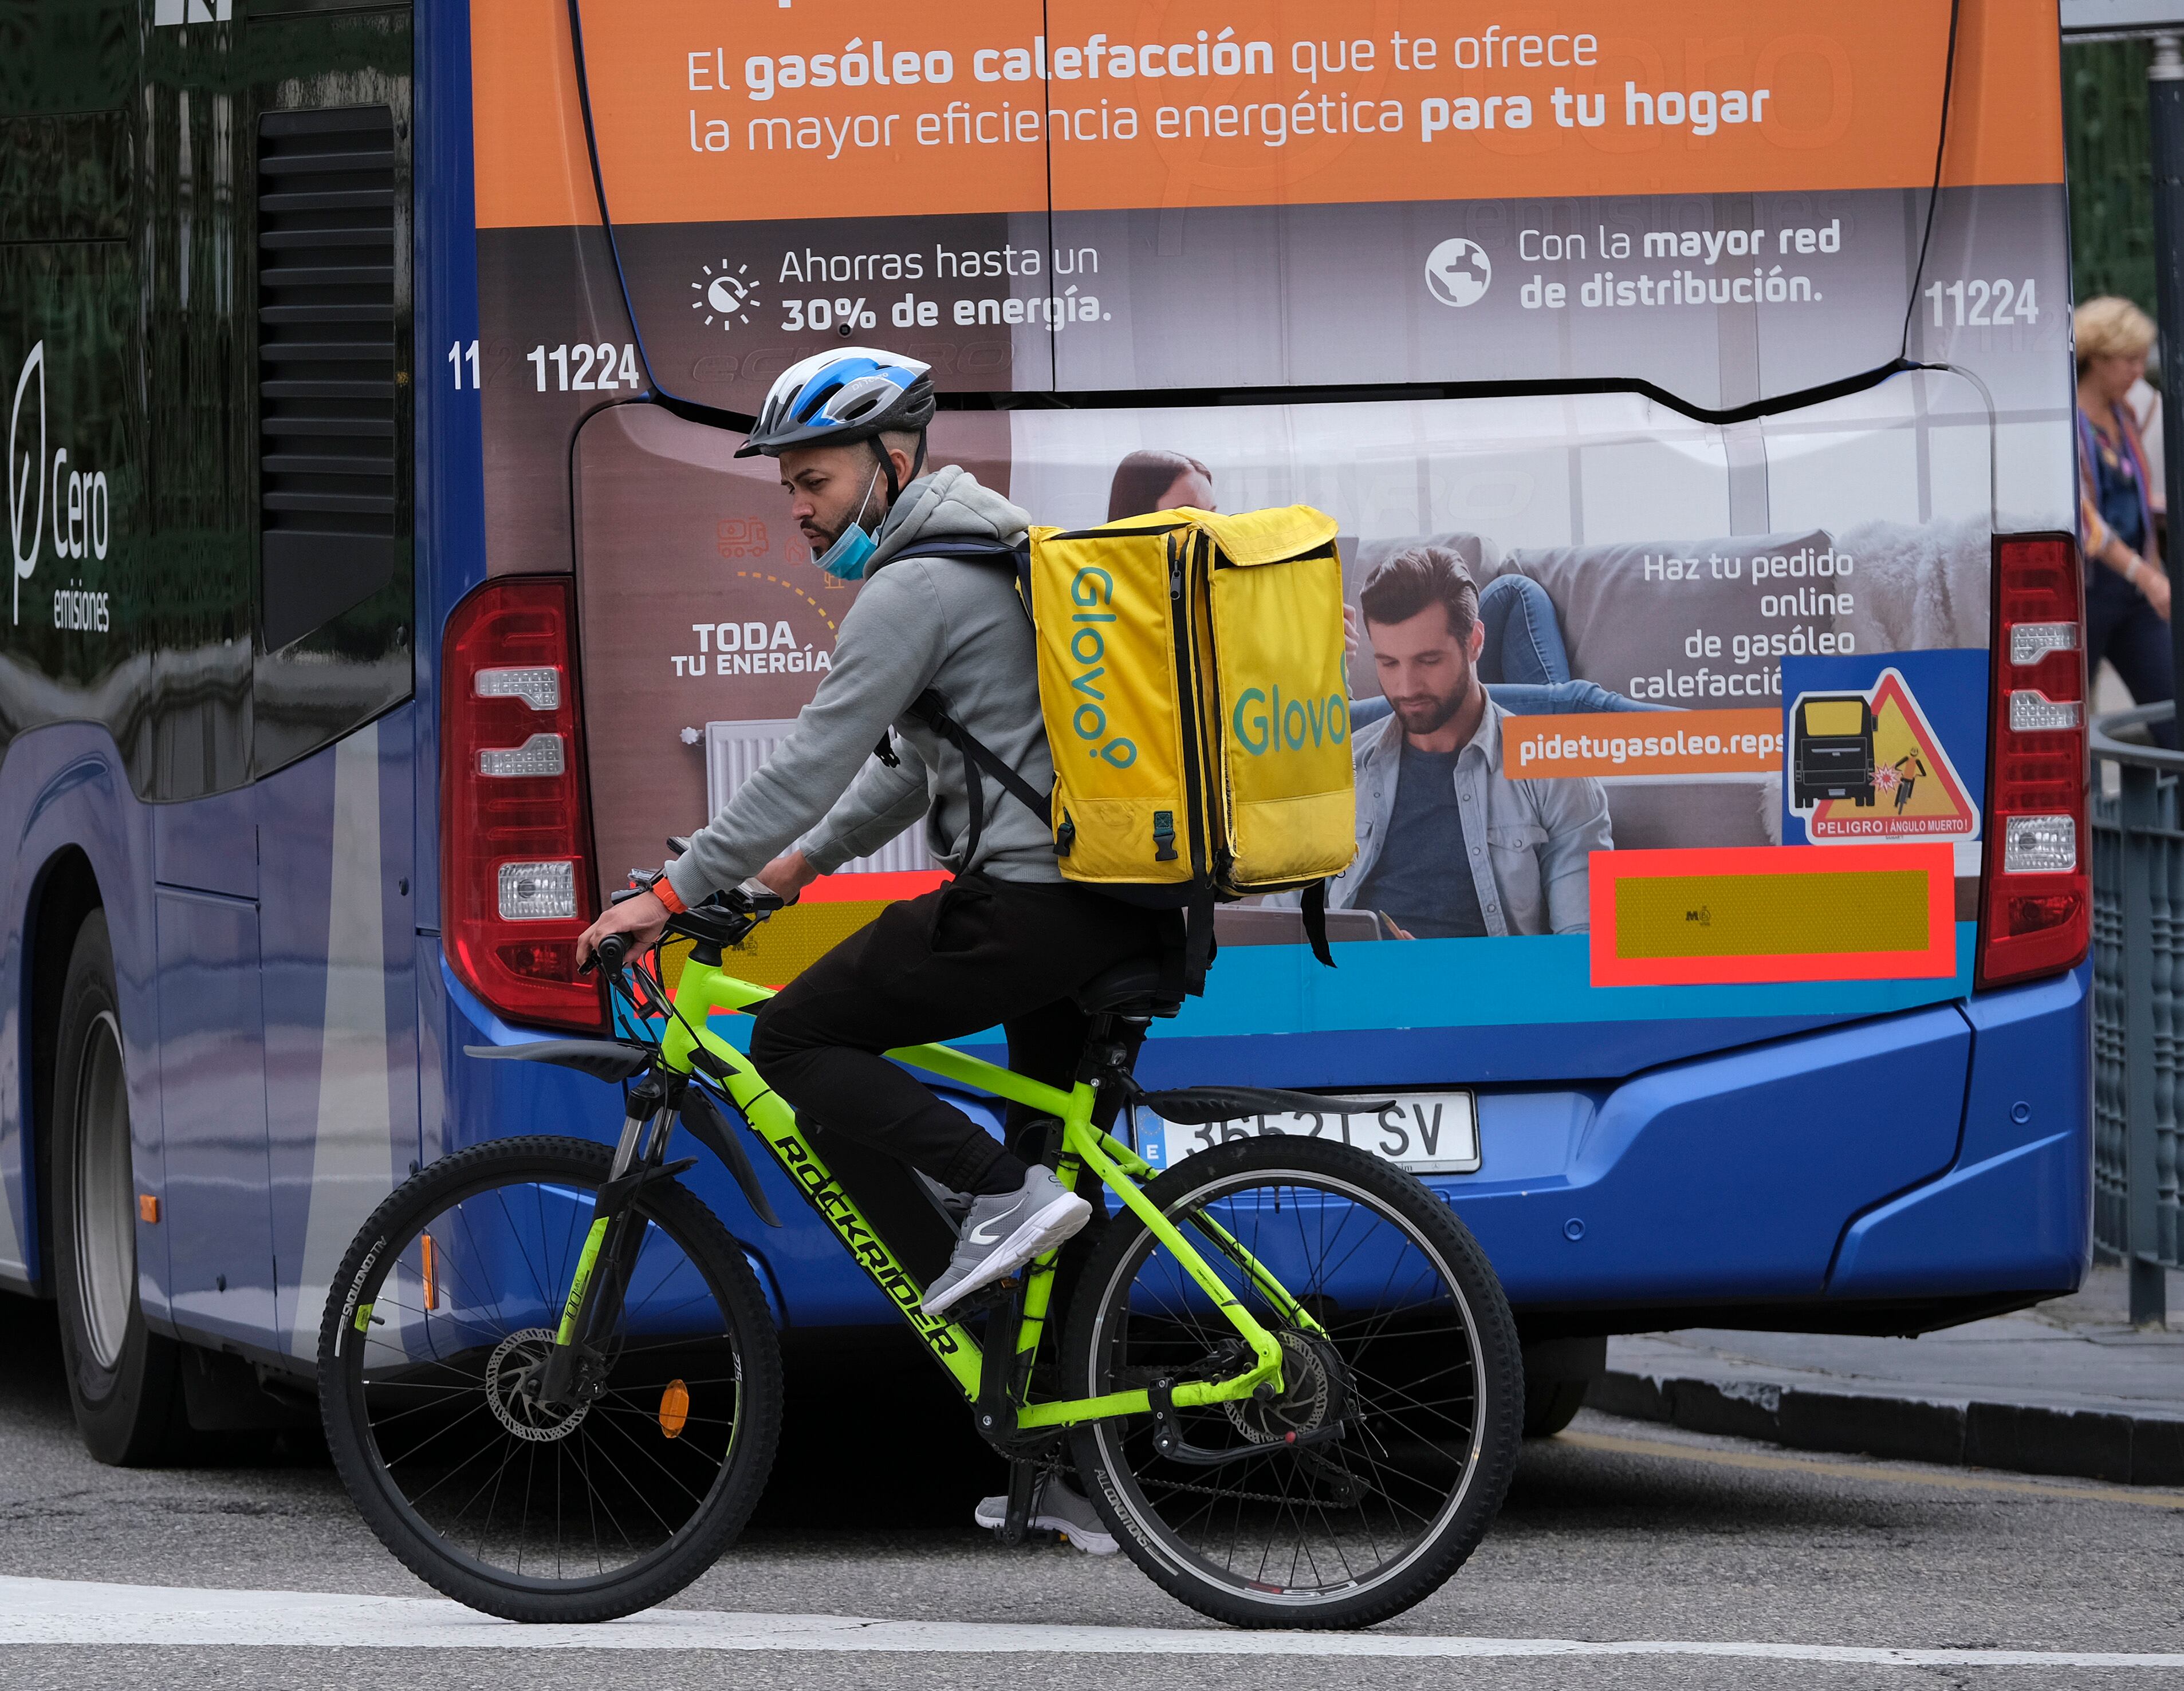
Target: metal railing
[{"x": 2138, "y": 1004}]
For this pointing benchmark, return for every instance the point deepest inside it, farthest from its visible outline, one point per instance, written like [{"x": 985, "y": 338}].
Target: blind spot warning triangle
[{"x": 1869, "y": 766}]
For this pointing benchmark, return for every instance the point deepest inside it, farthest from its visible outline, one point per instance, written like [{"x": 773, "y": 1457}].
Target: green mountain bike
[{"x": 1287, "y": 1377}]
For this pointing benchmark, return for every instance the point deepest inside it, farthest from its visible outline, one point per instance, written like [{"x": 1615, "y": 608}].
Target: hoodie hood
[{"x": 948, "y": 505}]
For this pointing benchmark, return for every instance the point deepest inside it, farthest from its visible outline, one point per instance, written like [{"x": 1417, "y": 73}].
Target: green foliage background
[{"x": 2104, "y": 144}]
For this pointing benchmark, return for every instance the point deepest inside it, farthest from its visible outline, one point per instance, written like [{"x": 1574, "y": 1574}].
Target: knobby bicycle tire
[
  {"x": 1440, "y": 1321},
  {"x": 568, "y": 1170}
]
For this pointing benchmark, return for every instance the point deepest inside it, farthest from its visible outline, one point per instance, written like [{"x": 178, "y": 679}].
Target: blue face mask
[{"x": 853, "y": 547}]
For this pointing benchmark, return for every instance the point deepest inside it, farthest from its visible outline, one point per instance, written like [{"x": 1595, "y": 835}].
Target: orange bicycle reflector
[
  {"x": 674, "y": 1409},
  {"x": 431, "y": 1275}
]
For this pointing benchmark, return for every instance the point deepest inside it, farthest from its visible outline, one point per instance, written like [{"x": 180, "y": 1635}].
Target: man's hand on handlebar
[
  {"x": 640, "y": 920},
  {"x": 788, "y": 875}
]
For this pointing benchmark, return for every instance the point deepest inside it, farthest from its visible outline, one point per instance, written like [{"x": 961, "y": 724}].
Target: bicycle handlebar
[{"x": 723, "y": 918}]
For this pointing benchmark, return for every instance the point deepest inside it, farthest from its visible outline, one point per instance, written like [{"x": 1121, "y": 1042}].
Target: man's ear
[
  {"x": 1477, "y": 643},
  {"x": 903, "y": 462}
]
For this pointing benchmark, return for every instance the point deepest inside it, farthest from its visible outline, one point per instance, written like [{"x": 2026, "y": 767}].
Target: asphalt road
[{"x": 1618, "y": 1532}]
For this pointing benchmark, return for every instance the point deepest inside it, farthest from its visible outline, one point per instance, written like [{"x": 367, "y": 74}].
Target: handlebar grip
[{"x": 612, "y": 951}]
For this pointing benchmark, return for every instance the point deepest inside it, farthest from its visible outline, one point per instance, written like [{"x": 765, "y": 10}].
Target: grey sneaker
[
  {"x": 1004, "y": 1231},
  {"x": 1055, "y": 1507}
]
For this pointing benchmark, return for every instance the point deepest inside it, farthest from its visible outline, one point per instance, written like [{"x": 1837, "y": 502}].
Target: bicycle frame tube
[{"x": 703, "y": 988}]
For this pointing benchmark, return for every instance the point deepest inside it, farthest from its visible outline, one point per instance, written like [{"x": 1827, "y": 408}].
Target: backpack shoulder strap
[
  {"x": 968, "y": 550},
  {"x": 932, "y": 709}
]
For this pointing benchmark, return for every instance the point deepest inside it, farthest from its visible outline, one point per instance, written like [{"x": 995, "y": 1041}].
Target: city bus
[{"x": 385, "y": 588}]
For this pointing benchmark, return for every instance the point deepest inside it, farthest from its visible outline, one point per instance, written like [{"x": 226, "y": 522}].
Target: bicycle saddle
[{"x": 1131, "y": 989}]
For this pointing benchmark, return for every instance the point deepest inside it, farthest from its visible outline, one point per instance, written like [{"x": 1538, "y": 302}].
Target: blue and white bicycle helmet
[{"x": 833, "y": 398}]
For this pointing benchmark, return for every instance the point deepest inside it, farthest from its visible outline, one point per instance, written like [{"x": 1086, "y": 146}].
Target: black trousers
[
  {"x": 973, "y": 952},
  {"x": 2122, "y": 627}
]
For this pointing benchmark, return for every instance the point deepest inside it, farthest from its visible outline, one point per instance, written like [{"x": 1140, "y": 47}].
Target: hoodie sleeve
[
  {"x": 890, "y": 647},
  {"x": 880, "y": 804}
]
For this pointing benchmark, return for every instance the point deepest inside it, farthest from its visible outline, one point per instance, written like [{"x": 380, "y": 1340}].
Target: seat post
[{"x": 1107, "y": 1044}]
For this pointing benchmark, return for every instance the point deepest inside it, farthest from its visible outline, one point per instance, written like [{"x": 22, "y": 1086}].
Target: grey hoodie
[{"x": 927, "y": 622}]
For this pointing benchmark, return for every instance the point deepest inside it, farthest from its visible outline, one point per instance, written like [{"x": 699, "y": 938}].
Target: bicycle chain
[{"x": 1244, "y": 1496}]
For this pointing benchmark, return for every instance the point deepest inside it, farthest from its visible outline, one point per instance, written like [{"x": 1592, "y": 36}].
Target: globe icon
[{"x": 1457, "y": 271}]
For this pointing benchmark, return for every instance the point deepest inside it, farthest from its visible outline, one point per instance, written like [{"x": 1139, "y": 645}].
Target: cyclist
[{"x": 1007, "y": 940}]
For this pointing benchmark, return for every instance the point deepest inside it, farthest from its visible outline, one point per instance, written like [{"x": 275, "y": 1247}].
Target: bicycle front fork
[{"x": 593, "y": 1307}]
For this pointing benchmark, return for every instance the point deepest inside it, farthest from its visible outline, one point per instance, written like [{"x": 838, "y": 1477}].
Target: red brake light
[
  {"x": 2035, "y": 884},
  {"x": 515, "y": 869}
]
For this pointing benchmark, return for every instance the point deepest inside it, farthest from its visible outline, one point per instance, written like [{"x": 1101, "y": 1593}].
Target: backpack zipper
[{"x": 1187, "y": 698}]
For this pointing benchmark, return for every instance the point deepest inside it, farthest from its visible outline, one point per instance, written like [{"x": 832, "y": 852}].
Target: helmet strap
[{"x": 887, "y": 466}]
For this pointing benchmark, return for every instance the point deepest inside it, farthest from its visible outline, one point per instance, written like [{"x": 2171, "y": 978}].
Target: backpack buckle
[{"x": 1164, "y": 836}]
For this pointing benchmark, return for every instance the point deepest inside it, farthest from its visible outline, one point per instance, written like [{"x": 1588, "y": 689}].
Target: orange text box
[
  {"x": 730, "y": 110},
  {"x": 1642, "y": 743}
]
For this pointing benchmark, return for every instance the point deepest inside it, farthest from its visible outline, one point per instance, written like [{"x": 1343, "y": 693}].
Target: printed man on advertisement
[{"x": 1448, "y": 846}]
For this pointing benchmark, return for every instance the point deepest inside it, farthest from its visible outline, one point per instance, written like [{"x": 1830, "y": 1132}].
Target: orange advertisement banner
[
  {"x": 1627, "y": 742},
  {"x": 735, "y": 110}
]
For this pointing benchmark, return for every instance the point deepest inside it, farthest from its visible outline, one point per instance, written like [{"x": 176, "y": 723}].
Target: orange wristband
[{"x": 664, "y": 890}]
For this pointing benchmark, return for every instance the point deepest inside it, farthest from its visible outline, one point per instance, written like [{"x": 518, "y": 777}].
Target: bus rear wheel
[{"x": 124, "y": 1380}]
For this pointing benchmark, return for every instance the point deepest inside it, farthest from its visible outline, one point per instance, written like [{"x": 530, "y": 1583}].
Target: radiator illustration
[{"x": 735, "y": 750}]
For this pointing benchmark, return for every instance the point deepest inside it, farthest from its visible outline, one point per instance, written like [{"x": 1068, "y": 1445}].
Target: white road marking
[{"x": 54, "y": 1611}]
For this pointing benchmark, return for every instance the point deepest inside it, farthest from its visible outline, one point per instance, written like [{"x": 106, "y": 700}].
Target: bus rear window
[{"x": 1831, "y": 717}]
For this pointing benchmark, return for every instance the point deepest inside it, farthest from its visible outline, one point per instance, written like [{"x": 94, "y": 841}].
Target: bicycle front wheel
[
  {"x": 1363, "y": 1485},
  {"x": 435, "y": 1335}
]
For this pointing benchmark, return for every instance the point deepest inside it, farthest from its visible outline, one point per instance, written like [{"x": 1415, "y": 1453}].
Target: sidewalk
[{"x": 2066, "y": 1388}]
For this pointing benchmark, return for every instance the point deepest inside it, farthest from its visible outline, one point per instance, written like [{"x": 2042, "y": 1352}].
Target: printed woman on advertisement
[
  {"x": 2127, "y": 595},
  {"x": 1523, "y": 659}
]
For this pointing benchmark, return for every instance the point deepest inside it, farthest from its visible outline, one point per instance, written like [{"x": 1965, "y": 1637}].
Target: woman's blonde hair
[{"x": 2110, "y": 327}]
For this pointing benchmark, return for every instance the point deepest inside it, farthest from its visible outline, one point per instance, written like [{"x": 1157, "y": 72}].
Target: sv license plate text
[{"x": 1428, "y": 1132}]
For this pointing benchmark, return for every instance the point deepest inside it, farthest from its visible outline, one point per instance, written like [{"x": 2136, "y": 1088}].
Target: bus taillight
[
  {"x": 2036, "y": 886},
  {"x": 515, "y": 872}
]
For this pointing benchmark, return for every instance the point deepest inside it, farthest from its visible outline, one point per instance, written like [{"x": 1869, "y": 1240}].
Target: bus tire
[
  {"x": 124, "y": 1380},
  {"x": 1551, "y": 1405}
]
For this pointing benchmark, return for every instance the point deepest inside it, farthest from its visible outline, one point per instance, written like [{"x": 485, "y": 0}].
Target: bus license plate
[{"x": 1426, "y": 1132}]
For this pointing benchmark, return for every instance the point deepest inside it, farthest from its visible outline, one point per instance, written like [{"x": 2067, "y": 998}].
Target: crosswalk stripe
[{"x": 83, "y": 1613}]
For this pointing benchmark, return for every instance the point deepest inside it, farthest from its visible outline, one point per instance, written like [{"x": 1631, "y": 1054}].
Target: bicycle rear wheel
[
  {"x": 435, "y": 1334},
  {"x": 1416, "y": 1362}
]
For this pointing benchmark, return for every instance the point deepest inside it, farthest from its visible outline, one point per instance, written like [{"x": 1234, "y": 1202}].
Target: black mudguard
[
  {"x": 604, "y": 1059},
  {"x": 702, "y": 1116}
]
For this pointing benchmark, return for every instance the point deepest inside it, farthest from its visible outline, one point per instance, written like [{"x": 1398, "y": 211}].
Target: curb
[{"x": 2122, "y": 1449}]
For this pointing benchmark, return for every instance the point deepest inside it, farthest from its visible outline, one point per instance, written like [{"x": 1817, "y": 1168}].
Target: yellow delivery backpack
[{"x": 1193, "y": 680}]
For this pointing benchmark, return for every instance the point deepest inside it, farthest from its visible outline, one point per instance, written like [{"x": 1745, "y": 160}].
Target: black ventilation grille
[{"x": 327, "y": 396}]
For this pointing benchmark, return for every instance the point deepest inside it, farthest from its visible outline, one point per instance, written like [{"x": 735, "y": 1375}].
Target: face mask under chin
[{"x": 851, "y": 553}]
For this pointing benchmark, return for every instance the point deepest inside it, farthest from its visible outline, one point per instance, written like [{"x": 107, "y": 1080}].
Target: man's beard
[{"x": 1431, "y": 713}]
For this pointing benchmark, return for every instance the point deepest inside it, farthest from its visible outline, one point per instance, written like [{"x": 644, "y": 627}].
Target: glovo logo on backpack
[
  {"x": 1092, "y": 594},
  {"x": 1263, "y": 725}
]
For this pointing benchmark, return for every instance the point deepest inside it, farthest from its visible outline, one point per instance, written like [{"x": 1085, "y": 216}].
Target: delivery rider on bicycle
[{"x": 1007, "y": 940}]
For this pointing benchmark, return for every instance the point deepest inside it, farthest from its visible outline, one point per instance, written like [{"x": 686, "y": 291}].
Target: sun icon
[{"x": 728, "y": 298}]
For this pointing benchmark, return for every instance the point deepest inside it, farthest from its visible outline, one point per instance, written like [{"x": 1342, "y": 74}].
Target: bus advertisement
[{"x": 386, "y": 587}]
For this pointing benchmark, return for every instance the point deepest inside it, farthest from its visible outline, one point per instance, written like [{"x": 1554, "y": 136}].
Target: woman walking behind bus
[{"x": 2127, "y": 596}]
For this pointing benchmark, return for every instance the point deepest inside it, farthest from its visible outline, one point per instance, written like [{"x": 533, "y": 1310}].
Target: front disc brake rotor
[{"x": 512, "y": 1375}]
